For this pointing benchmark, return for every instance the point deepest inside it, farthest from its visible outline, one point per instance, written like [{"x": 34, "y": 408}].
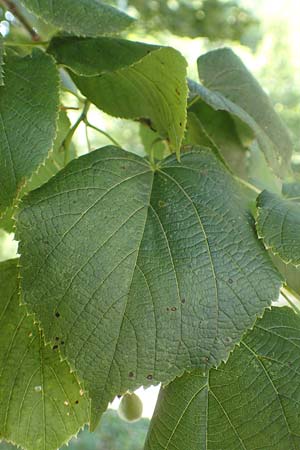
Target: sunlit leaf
[
  {"x": 251, "y": 402},
  {"x": 131, "y": 80},
  {"x": 142, "y": 274},
  {"x": 42, "y": 404},
  {"x": 80, "y": 17}
]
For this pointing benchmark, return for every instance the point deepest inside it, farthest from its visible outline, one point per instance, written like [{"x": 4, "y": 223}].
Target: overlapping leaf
[
  {"x": 251, "y": 402},
  {"x": 216, "y": 129},
  {"x": 80, "y": 17},
  {"x": 230, "y": 86},
  {"x": 1, "y": 61},
  {"x": 28, "y": 112},
  {"x": 278, "y": 225},
  {"x": 42, "y": 404},
  {"x": 131, "y": 80},
  {"x": 142, "y": 274}
]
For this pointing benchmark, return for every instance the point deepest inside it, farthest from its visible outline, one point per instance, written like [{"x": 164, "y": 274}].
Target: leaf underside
[
  {"x": 131, "y": 80},
  {"x": 164, "y": 267},
  {"x": 80, "y": 17},
  {"x": 251, "y": 402},
  {"x": 232, "y": 87},
  {"x": 42, "y": 404},
  {"x": 28, "y": 112},
  {"x": 278, "y": 225}
]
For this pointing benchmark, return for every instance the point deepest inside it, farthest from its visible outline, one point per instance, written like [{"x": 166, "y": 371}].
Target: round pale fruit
[{"x": 130, "y": 408}]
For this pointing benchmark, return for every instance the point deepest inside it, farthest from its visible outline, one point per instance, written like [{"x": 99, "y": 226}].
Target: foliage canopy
[{"x": 140, "y": 269}]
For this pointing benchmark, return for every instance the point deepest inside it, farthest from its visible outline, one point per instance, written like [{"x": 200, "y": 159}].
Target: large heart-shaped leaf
[
  {"x": 224, "y": 74},
  {"x": 80, "y": 17},
  {"x": 251, "y": 402},
  {"x": 278, "y": 225},
  {"x": 28, "y": 112},
  {"x": 131, "y": 80},
  {"x": 142, "y": 273},
  {"x": 42, "y": 404}
]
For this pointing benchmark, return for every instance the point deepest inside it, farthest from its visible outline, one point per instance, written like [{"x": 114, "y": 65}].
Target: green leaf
[
  {"x": 290, "y": 273},
  {"x": 278, "y": 225},
  {"x": 224, "y": 74},
  {"x": 251, "y": 402},
  {"x": 38, "y": 393},
  {"x": 131, "y": 80},
  {"x": 28, "y": 111},
  {"x": 216, "y": 129},
  {"x": 291, "y": 190},
  {"x": 1, "y": 61},
  {"x": 143, "y": 274},
  {"x": 53, "y": 164},
  {"x": 80, "y": 17}
]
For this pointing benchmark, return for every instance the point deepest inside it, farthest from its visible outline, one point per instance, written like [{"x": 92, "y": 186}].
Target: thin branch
[
  {"x": 87, "y": 138},
  {"x": 12, "y": 7}
]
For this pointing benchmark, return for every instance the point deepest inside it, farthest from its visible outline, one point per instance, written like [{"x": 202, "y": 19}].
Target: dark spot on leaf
[
  {"x": 180, "y": 124},
  {"x": 62, "y": 342},
  {"x": 57, "y": 314},
  {"x": 77, "y": 401},
  {"x": 168, "y": 309},
  {"x": 173, "y": 308},
  {"x": 55, "y": 347},
  {"x": 131, "y": 374},
  {"x": 177, "y": 91},
  {"x": 183, "y": 300},
  {"x": 119, "y": 396},
  {"x": 230, "y": 281},
  {"x": 150, "y": 376},
  {"x": 57, "y": 338},
  {"x": 227, "y": 340},
  {"x": 161, "y": 204}
]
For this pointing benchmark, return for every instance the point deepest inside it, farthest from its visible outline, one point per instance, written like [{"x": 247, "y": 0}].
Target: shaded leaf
[
  {"x": 1, "y": 61},
  {"x": 224, "y": 74},
  {"x": 216, "y": 129},
  {"x": 164, "y": 267},
  {"x": 38, "y": 394},
  {"x": 251, "y": 402},
  {"x": 80, "y": 17},
  {"x": 53, "y": 164},
  {"x": 291, "y": 190},
  {"x": 131, "y": 80},
  {"x": 278, "y": 225},
  {"x": 28, "y": 112},
  {"x": 289, "y": 272}
]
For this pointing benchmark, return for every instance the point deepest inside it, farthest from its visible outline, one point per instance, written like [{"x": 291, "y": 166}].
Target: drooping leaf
[
  {"x": 164, "y": 267},
  {"x": 80, "y": 17},
  {"x": 54, "y": 163},
  {"x": 56, "y": 159},
  {"x": 224, "y": 74},
  {"x": 289, "y": 272},
  {"x": 291, "y": 190},
  {"x": 28, "y": 112},
  {"x": 278, "y": 225},
  {"x": 251, "y": 402},
  {"x": 131, "y": 80},
  {"x": 1, "y": 61},
  {"x": 42, "y": 404},
  {"x": 216, "y": 129}
]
